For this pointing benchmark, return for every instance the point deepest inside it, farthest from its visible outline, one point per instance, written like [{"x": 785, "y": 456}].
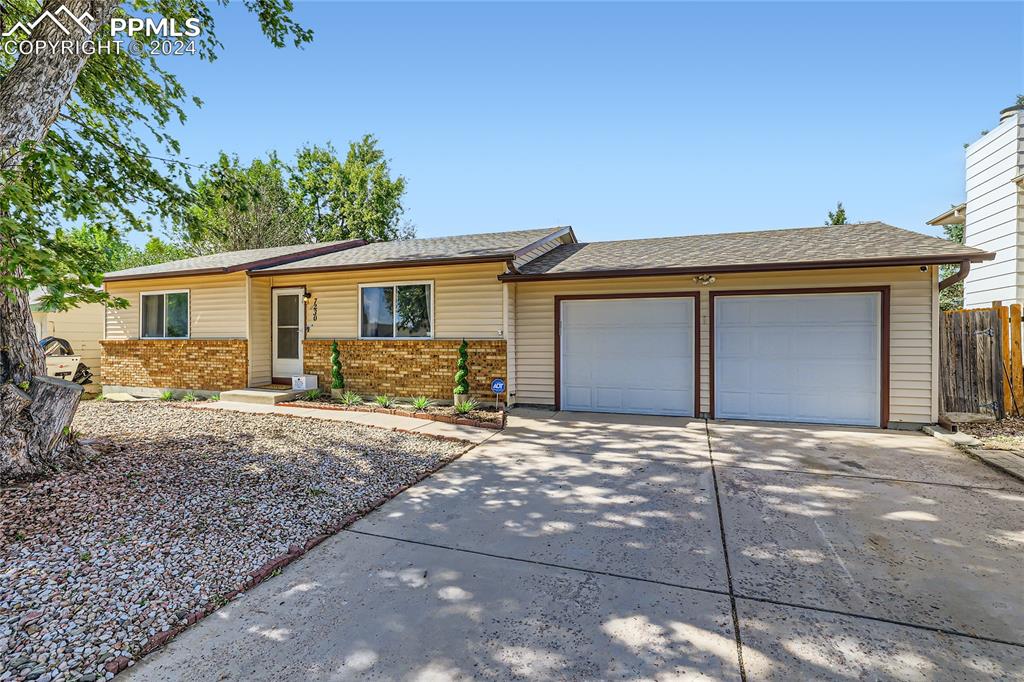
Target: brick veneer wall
[
  {"x": 407, "y": 368},
  {"x": 200, "y": 364}
]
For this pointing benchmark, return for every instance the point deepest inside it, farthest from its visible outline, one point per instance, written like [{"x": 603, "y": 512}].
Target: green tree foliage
[
  {"x": 838, "y": 216},
  {"x": 952, "y": 297},
  {"x": 351, "y": 199},
  {"x": 462, "y": 370},
  {"x": 238, "y": 207},
  {"x": 108, "y": 160},
  {"x": 337, "y": 379}
]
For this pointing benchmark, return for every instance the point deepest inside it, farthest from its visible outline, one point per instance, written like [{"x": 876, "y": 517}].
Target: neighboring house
[
  {"x": 81, "y": 326},
  {"x": 993, "y": 214},
  {"x": 828, "y": 324}
]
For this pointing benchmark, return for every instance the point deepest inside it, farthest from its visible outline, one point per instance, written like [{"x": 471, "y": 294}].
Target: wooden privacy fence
[{"x": 980, "y": 363}]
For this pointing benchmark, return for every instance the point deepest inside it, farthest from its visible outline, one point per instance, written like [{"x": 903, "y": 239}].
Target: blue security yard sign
[{"x": 498, "y": 386}]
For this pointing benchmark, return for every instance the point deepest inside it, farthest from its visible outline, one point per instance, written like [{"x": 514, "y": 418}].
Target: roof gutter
[
  {"x": 760, "y": 267},
  {"x": 955, "y": 278}
]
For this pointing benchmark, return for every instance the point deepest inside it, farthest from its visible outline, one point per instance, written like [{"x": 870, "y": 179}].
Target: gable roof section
[
  {"x": 840, "y": 246},
  {"x": 232, "y": 261},
  {"x": 491, "y": 247}
]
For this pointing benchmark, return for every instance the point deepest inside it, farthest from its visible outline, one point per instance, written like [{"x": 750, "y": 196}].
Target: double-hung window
[
  {"x": 164, "y": 315},
  {"x": 396, "y": 311}
]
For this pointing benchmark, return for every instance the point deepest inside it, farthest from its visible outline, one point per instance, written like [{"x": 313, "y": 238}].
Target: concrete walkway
[
  {"x": 470, "y": 434},
  {"x": 595, "y": 547}
]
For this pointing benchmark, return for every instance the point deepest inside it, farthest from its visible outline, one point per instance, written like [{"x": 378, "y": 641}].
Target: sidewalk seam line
[{"x": 725, "y": 556}]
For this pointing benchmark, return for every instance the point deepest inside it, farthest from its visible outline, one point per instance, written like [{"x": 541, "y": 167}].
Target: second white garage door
[
  {"x": 801, "y": 358},
  {"x": 628, "y": 355}
]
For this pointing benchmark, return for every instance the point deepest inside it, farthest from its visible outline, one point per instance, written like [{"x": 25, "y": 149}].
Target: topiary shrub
[
  {"x": 337, "y": 379},
  {"x": 462, "y": 372}
]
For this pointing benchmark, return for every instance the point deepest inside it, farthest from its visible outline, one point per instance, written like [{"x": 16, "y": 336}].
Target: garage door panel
[
  {"x": 628, "y": 355},
  {"x": 735, "y": 343},
  {"x": 809, "y": 357}
]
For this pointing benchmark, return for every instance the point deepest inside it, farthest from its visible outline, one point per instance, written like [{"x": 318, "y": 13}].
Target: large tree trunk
[
  {"x": 35, "y": 410},
  {"x": 32, "y": 94}
]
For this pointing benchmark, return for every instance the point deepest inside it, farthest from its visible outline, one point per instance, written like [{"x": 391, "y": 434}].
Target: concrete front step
[{"x": 259, "y": 396}]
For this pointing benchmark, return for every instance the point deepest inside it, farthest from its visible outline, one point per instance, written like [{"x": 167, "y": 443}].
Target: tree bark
[
  {"x": 34, "y": 435},
  {"x": 33, "y": 92}
]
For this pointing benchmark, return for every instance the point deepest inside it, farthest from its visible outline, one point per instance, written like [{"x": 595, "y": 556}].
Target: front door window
[{"x": 289, "y": 330}]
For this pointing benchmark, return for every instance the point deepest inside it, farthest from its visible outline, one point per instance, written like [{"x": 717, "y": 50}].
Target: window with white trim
[
  {"x": 164, "y": 315},
  {"x": 396, "y": 311}
]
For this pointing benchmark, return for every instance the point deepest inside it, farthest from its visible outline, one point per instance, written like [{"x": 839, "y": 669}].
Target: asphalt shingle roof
[
  {"x": 860, "y": 242},
  {"x": 494, "y": 245},
  {"x": 232, "y": 261}
]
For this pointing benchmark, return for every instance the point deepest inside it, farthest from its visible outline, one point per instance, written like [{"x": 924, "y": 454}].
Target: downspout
[{"x": 961, "y": 275}]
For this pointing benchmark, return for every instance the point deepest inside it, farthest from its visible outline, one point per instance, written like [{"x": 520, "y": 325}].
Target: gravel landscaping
[
  {"x": 1005, "y": 434},
  {"x": 177, "y": 510}
]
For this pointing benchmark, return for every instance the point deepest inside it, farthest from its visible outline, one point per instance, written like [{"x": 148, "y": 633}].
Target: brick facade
[
  {"x": 198, "y": 364},
  {"x": 407, "y": 368}
]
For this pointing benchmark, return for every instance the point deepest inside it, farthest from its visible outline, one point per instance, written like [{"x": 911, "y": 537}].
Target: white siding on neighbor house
[
  {"x": 913, "y": 344},
  {"x": 467, "y": 298},
  {"x": 217, "y": 305},
  {"x": 82, "y": 326},
  {"x": 993, "y": 214}
]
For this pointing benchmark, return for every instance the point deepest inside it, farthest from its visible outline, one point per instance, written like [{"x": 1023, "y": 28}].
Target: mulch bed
[
  {"x": 178, "y": 511},
  {"x": 487, "y": 418}
]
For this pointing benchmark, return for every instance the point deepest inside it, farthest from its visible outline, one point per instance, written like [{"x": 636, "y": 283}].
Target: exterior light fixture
[
  {"x": 704, "y": 280},
  {"x": 306, "y": 296}
]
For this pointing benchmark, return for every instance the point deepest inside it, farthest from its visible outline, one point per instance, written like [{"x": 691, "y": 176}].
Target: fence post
[
  {"x": 1016, "y": 366},
  {"x": 1002, "y": 316}
]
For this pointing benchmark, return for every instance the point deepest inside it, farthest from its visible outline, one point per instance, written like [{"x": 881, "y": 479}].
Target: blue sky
[{"x": 627, "y": 120}]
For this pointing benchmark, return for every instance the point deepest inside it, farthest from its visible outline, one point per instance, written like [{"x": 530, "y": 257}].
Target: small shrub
[
  {"x": 313, "y": 394},
  {"x": 85, "y": 556},
  {"x": 337, "y": 378},
  {"x": 190, "y": 397},
  {"x": 422, "y": 402},
  {"x": 467, "y": 406},
  {"x": 215, "y": 397},
  {"x": 350, "y": 398},
  {"x": 462, "y": 370},
  {"x": 100, "y": 396},
  {"x": 384, "y": 401},
  {"x": 167, "y": 395}
]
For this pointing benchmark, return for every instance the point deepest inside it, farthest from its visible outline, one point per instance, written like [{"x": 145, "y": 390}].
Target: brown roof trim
[
  {"x": 757, "y": 267},
  {"x": 467, "y": 260},
  {"x": 251, "y": 265},
  {"x": 560, "y": 232}
]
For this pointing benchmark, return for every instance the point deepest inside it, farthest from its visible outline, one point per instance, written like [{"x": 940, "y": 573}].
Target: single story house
[{"x": 831, "y": 324}]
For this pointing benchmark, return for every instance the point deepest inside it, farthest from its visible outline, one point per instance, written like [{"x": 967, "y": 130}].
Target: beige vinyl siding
[
  {"x": 467, "y": 298},
  {"x": 216, "y": 305},
  {"x": 912, "y": 342},
  {"x": 259, "y": 331},
  {"x": 83, "y": 328},
  {"x": 510, "y": 332}
]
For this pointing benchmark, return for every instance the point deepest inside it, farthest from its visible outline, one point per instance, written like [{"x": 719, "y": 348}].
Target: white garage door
[
  {"x": 627, "y": 355},
  {"x": 801, "y": 358}
]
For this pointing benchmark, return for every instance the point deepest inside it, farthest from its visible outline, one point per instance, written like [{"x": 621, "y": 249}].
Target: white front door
[
  {"x": 798, "y": 358},
  {"x": 630, "y": 355},
  {"x": 288, "y": 331}
]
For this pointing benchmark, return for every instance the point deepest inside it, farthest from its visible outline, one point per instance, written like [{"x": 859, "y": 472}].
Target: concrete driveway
[{"x": 576, "y": 546}]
